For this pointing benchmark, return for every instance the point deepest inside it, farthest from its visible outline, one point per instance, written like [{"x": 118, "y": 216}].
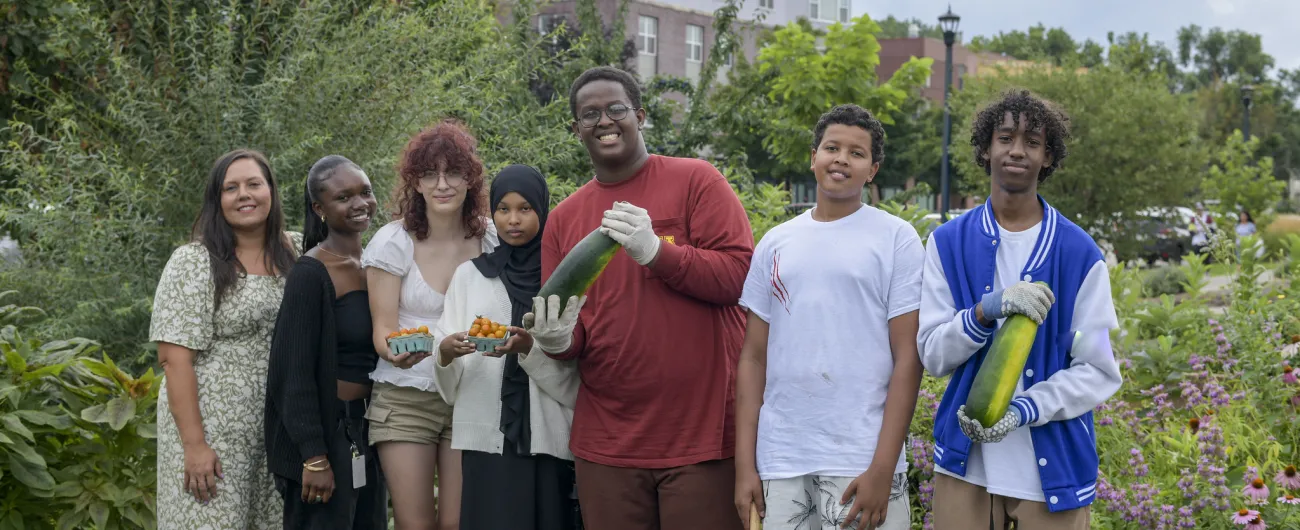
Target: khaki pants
[{"x": 960, "y": 505}]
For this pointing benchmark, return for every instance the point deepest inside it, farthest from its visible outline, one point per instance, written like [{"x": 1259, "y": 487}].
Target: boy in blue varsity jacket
[{"x": 1037, "y": 467}]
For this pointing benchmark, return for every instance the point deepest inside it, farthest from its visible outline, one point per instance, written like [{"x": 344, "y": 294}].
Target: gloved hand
[
  {"x": 1029, "y": 299},
  {"x": 979, "y": 434},
  {"x": 552, "y": 331},
  {"x": 630, "y": 227}
]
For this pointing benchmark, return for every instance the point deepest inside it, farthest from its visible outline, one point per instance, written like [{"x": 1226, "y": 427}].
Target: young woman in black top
[{"x": 321, "y": 358}]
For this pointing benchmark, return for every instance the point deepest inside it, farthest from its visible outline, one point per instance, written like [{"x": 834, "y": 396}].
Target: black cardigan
[{"x": 302, "y": 385}]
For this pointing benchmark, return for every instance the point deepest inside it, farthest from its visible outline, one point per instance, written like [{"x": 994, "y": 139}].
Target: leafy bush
[
  {"x": 76, "y": 434},
  {"x": 1276, "y": 233},
  {"x": 1164, "y": 280}
]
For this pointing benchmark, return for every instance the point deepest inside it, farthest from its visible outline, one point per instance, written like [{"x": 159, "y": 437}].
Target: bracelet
[{"x": 316, "y": 466}]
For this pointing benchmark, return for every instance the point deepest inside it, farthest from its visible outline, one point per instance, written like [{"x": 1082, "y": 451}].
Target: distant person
[
  {"x": 321, "y": 359},
  {"x": 658, "y": 338},
  {"x": 1245, "y": 224},
  {"x": 1036, "y": 467},
  {"x": 821, "y": 418},
  {"x": 213, "y": 316}
]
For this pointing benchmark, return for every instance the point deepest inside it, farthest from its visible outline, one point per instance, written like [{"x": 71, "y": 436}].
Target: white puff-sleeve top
[{"x": 392, "y": 249}]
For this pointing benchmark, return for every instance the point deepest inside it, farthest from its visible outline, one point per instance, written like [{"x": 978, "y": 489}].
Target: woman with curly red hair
[{"x": 440, "y": 222}]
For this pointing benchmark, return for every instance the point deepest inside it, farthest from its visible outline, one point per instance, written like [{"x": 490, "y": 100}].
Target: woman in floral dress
[{"x": 214, "y": 311}]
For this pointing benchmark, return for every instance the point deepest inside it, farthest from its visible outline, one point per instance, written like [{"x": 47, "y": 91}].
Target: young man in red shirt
[{"x": 658, "y": 336}]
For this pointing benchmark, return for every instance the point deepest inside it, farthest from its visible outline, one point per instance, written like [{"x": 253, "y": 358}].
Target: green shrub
[
  {"x": 1164, "y": 280},
  {"x": 1275, "y": 234},
  {"x": 76, "y": 434}
]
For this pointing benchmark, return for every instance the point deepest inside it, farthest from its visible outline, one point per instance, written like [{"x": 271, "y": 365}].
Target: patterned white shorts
[{"x": 812, "y": 502}]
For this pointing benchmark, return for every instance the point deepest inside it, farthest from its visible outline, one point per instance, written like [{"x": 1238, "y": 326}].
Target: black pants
[
  {"x": 514, "y": 492},
  {"x": 349, "y": 508}
]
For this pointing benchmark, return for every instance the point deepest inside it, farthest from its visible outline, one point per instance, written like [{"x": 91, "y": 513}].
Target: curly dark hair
[
  {"x": 605, "y": 73},
  {"x": 853, "y": 116},
  {"x": 1040, "y": 112},
  {"x": 447, "y": 146}
]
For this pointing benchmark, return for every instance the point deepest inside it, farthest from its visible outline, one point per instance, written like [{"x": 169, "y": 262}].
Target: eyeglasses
[
  {"x": 616, "y": 111},
  {"x": 453, "y": 179}
]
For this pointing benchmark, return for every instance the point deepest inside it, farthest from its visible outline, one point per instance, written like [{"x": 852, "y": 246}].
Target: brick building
[{"x": 673, "y": 37}]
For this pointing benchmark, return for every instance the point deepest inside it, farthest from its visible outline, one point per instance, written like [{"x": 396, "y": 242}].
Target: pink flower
[
  {"x": 1288, "y": 375},
  {"x": 1288, "y": 499},
  {"x": 1288, "y": 478},
  {"x": 1256, "y": 491},
  {"x": 1256, "y": 524},
  {"x": 1244, "y": 516}
]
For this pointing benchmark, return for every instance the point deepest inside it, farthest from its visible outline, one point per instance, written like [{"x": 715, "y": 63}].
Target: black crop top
[{"x": 356, "y": 349}]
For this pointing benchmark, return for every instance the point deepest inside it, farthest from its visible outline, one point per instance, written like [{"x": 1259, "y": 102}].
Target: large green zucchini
[
  {"x": 580, "y": 267},
  {"x": 995, "y": 383}
]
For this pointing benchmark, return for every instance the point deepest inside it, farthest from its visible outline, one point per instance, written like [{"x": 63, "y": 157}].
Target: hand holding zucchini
[
  {"x": 579, "y": 268},
  {"x": 995, "y": 383}
]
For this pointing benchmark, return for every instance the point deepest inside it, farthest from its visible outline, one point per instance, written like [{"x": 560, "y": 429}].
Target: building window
[
  {"x": 815, "y": 9},
  {"x": 844, "y": 11},
  {"x": 647, "y": 37},
  {"x": 767, "y": 4},
  {"x": 694, "y": 43}
]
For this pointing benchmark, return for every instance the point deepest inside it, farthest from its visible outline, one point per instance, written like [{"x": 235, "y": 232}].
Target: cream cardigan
[{"x": 472, "y": 383}]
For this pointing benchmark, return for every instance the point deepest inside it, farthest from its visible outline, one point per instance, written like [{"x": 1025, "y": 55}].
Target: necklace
[{"x": 326, "y": 250}]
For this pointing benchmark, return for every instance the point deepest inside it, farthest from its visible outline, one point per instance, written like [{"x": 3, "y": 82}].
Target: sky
[{"x": 1276, "y": 21}]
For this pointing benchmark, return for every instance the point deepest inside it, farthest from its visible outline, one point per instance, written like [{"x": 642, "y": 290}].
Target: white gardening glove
[
  {"x": 630, "y": 227},
  {"x": 552, "y": 331},
  {"x": 1029, "y": 299},
  {"x": 979, "y": 434}
]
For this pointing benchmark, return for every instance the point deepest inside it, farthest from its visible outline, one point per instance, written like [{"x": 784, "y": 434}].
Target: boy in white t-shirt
[
  {"x": 1036, "y": 468},
  {"x": 829, "y": 373}
]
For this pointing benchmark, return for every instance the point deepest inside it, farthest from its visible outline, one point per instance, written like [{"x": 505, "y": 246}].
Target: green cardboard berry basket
[
  {"x": 419, "y": 342},
  {"x": 485, "y": 344}
]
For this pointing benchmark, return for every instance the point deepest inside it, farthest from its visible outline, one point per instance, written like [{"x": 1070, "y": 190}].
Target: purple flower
[
  {"x": 1288, "y": 478},
  {"x": 1244, "y": 516},
  {"x": 1256, "y": 491}
]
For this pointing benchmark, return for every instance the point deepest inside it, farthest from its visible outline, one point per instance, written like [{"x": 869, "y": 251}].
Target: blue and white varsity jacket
[{"x": 1062, "y": 386}]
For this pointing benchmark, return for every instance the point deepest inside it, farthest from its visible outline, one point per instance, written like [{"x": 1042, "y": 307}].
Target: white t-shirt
[
  {"x": 1008, "y": 468},
  {"x": 827, "y": 291}
]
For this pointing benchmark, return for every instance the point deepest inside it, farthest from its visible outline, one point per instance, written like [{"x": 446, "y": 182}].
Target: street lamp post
[
  {"x": 1247, "y": 92},
  {"x": 948, "y": 22}
]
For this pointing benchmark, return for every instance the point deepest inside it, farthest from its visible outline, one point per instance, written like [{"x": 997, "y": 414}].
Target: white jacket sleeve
[
  {"x": 1093, "y": 375},
  {"x": 455, "y": 317},
  {"x": 558, "y": 379},
  {"x": 948, "y": 336}
]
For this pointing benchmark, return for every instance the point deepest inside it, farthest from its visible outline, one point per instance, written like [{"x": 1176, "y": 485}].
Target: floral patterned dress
[{"x": 231, "y": 345}]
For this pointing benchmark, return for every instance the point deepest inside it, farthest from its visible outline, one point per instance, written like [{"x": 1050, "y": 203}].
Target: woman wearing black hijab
[{"x": 512, "y": 406}]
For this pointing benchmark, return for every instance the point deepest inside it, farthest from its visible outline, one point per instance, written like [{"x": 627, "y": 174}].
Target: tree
[
  {"x": 1134, "y": 144},
  {"x": 1240, "y": 181},
  {"x": 1217, "y": 56},
  {"x": 913, "y": 145},
  {"x": 1039, "y": 43},
  {"x": 895, "y": 28},
  {"x": 806, "y": 82}
]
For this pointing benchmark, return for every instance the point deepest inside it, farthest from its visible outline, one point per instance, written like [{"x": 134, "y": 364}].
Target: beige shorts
[
  {"x": 967, "y": 506},
  {"x": 405, "y": 414}
]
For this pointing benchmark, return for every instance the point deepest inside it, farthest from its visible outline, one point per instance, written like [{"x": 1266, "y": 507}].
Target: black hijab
[{"x": 519, "y": 267}]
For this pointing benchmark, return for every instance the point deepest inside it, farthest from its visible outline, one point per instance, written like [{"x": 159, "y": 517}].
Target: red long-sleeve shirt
[{"x": 657, "y": 347}]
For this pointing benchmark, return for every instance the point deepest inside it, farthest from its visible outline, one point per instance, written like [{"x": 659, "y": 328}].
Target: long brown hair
[
  {"x": 215, "y": 234},
  {"x": 447, "y": 146}
]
